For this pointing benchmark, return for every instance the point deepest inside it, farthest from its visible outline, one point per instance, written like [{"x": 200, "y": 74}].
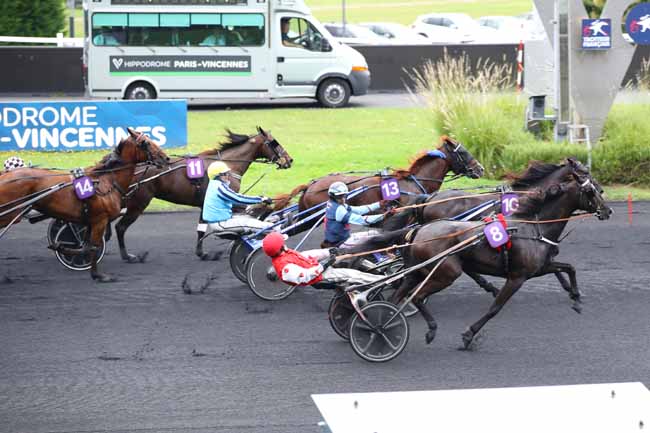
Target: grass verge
[{"x": 320, "y": 141}]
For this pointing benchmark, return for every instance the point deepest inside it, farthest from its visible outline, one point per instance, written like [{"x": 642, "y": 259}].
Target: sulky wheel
[
  {"x": 56, "y": 224},
  {"x": 73, "y": 236},
  {"x": 340, "y": 313},
  {"x": 383, "y": 336},
  {"x": 263, "y": 280},
  {"x": 237, "y": 253}
]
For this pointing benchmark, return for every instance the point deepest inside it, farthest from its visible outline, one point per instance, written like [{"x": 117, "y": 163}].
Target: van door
[{"x": 300, "y": 58}]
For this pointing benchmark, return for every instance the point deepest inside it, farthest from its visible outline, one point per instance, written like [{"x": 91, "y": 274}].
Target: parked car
[
  {"x": 533, "y": 25},
  {"x": 397, "y": 34},
  {"x": 452, "y": 28},
  {"x": 507, "y": 29},
  {"x": 352, "y": 34}
]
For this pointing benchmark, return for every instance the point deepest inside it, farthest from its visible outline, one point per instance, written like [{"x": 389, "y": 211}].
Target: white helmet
[
  {"x": 337, "y": 190},
  {"x": 13, "y": 162}
]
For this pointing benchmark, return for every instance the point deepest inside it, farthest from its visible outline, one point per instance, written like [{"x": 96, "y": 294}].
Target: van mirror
[{"x": 325, "y": 46}]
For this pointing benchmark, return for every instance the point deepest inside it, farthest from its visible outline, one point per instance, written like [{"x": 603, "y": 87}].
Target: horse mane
[
  {"x": 536, "y": 171},
  {"x": 233, "y": 140},
  {"x": 417, "y": 162},
  {"x": 111, "y": 160}
]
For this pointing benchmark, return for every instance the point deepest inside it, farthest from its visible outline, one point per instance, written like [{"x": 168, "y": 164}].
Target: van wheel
[
  {"x": 140, "y": 90},
  {"x": 334, "y": 93}
]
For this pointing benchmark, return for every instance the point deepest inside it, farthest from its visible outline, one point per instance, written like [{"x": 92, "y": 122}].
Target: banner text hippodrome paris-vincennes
[{"x": 89, "y": 125}]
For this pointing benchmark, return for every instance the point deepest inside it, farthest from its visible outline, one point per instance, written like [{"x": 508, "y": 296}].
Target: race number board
[
  {"x": 195, "y": 168},
  {"x": 83, "y": 187},
  {"x": 496, "y": 235},
  {"x": 509, "y": 204},
  {"x": 390, "y": 189}
]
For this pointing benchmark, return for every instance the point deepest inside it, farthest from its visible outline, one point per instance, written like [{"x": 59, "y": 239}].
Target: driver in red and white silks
[{"x": 302, "y": 269}]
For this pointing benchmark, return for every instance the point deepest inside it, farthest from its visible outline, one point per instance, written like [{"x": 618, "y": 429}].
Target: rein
[{"x": 460, "y": 232}]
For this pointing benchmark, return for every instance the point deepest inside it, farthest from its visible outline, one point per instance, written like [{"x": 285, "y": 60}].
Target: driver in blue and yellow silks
[
  {"x": 219, "y": 201},
  {"x": 339, "y": 215}
]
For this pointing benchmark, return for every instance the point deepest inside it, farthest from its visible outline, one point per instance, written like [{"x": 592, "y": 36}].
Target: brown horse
[
  {"x": 173, "y": 185},
  {"x": 531, "y": 255},
  {"x": 538, "y": 175},
  {"x": 424, "y": 176},
  {"x": 111, "y": 177}
]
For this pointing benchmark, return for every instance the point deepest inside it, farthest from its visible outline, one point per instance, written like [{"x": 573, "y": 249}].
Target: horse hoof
[
  {"x": 576, "y": 307},
  {"x": 468, "y": 336},
  {"x": 54, "y": 246},
  {"x": 495, "y": 293},
  {"x": 104, "y": 278},
  {"x": 143, "y": 257},
  {"x": 207, "y": 257},
  {"x": 431, "y": 335}
]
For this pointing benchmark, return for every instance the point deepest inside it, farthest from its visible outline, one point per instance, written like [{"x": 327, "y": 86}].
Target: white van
[{"x": 146, "y": 49}]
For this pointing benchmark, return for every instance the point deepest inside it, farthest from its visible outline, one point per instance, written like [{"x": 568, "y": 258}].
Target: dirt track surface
[{"x": 141, "y": 355}]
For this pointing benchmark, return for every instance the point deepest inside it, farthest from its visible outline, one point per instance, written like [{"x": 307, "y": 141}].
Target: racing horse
[
  {"x": 530, "y": 256},
  {"x": 111, "y": 178},
  {"x": 453, "y": 203},
  {"x": 172, "y": 184},
  {"x": 424, "y": 176}
]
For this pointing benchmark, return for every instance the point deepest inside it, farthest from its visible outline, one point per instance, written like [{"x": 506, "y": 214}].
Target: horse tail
[
  {"x": 384, "y": 240},
  {"x": 283, "y": 200}
]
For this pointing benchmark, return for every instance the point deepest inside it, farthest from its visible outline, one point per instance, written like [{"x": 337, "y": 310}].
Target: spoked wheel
[
  {"x": 73, "y": 236},
  {"x": 263, "y": 280},
  {"x": 383, "y": 336},
  {"x": 237, "y": 254},
  {"x": 56, "y": 224},
  {"x": 340, "y": 313}
]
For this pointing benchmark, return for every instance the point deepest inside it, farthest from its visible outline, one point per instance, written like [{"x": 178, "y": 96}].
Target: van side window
[
  {"x": 300, "y": 33},
  {"x": 178, "y": 29}
]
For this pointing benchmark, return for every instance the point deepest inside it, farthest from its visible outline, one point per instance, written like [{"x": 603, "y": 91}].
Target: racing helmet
[
  {"x": 217, "y": 168},
  {"x": 273, "y": 243},
  {"x": 337, "y": 190},
  {"x": 13, "y": 162}
]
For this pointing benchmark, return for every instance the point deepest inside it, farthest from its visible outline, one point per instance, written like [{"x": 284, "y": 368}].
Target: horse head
[
  {"x": 138, "y": 147},
  {"x": 460, "y": 159},
  {"x": 272, "y": 150},
  {"x": 590, "y": 192}
]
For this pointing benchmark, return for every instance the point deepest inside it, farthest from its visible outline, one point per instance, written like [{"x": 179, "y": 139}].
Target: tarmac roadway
[{"x": 142, "y": 355}]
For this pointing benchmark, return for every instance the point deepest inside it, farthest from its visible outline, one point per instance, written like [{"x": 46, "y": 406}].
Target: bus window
[
  {"x": 178, "y": 29},
  {"x": 109, "y": 29}
]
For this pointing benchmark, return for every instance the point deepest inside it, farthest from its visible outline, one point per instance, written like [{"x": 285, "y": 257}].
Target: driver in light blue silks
[{"x": 339, "y": 216}]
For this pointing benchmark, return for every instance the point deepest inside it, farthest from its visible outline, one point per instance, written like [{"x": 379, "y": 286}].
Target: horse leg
[
  {"x": 428, "y": 317},
  {"x": 574, "y": 293},
  {"x": 201, "y": 228},
  {"x": 122, "y": 226},
  {"x": 96, "y": 234},
  {"x": 509, "y": 288},
  {"x": 485, "y": 284}
]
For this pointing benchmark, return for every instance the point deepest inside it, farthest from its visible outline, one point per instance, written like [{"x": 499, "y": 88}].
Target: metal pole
[
  {"x": 556, "y": 68},
  {"x": 71, "y": 24},
  {"x": 343, "y": 14}
]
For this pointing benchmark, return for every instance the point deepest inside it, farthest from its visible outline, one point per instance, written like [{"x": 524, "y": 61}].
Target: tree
[
  {"x": 594, "y": 7},
  {"x": 31, "y": 17}
]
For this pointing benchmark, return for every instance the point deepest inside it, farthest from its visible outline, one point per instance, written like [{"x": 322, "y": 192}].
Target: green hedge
[
  {"x": 492, "y": 129},
  {"x": 31, "y": 17}
]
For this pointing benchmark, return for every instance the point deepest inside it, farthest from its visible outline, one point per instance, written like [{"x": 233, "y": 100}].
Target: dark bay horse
[
  {"x": 112, "y": 177},
  {"x": 424, "y": 176},
  {"x": 450, "y": 203},
  {"x": 531, "y": 254},
  {"x": 173, "y": 185}
]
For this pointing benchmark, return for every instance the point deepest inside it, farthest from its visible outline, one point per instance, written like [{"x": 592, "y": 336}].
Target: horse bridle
[
  {"x": 274, "y": 145},
  {"x": 459, "y": 164},
  {"x": 142, "y": 143}
]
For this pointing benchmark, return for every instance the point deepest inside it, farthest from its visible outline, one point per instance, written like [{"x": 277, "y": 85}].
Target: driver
[
  {"x": 286, "y": 40},
  {"x": 303, "y": 269},
  {"x": 339, "y": 215},
  {"x": 219, "y": 200}
]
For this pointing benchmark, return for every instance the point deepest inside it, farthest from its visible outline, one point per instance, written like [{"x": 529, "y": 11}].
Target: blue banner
[
  {"x": 637, "y": 23},
  {"x": 89, "y": 125}
]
